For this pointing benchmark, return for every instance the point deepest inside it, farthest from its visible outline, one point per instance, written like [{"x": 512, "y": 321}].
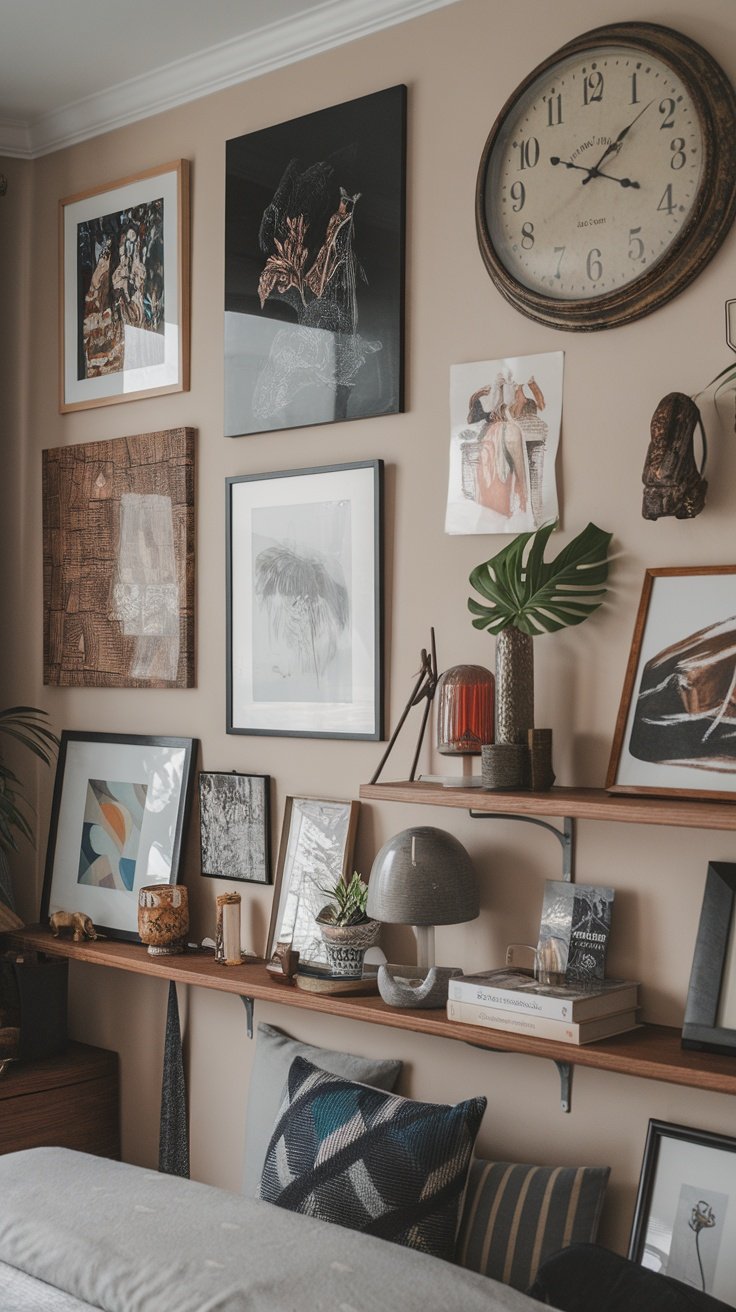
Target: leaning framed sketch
[
  {"x": 304, "y": 602},
  {"x": 710, "y": 1011},
  {"x": 234, "y": 826},
  {"x": 675, "y": 728},
  {"x": 118, "y": 814},
  {"x": 316, "y": 849},
  {"x": 124, "y": 289},
  {"x": 685, "y": 1215}
]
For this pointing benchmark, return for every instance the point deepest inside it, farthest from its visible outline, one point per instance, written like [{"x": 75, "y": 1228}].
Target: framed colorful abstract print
[
  {"x": 118, "y": 562},
  {"x": 118, "y": 814},
  {"x": 675, "y": 732},
  {"x": 314, "y": 267},
  {"x": 124, "y": 293},
  {"x": 304, "y": 602}
]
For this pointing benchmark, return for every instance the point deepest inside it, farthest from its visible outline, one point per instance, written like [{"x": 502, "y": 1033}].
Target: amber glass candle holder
[{"x": 465, "y": 696}]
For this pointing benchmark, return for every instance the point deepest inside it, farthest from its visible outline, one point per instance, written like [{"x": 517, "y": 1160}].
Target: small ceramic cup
[{"x": 163, "y": 918}]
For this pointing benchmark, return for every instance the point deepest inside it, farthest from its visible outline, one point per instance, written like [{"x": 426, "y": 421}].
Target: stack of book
[{"x": 512, "y": 1000}]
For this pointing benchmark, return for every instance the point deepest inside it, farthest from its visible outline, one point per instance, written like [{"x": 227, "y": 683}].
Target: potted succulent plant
[
  {"x": 347, "y": 930},
  {"x": 525, "y": 596},
  {"x": 26, "y": 725}
]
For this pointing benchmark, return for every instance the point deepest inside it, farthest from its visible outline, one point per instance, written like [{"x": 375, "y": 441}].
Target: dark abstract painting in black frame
[
  {"x": 710, "y": 1012},
  {"x": 234, "y": 826},
  {"x": 314, "y": 267}
]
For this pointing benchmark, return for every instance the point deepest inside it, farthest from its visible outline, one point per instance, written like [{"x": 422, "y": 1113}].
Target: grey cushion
[
  {"x": 516, "y": 1215},
  {"x": 275, "y": 1051}
]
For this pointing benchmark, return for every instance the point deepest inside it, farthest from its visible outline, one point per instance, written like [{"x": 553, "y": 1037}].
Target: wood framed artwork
[
  {"x": 118, "y": 814},
  {"x": 304, "y": 602},
  {"x": 124, "y": 289},
  {"x": 234, "y": 826},
  {"x": 675, "y": 728},
  {"x": 685, "y": 1218},
  {"x": 314, "y": 267},
  {"x": 710, "y": 1011},
  {"x": 118, "y": 562},
  {"x": 316, "y": 849}
]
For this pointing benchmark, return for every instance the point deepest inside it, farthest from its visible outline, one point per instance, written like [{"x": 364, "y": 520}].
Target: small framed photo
[
  {"x": 316, "y": 849},
  {"x": 124, "y": 294},
  {"x": 710, "y": 1011},
  {"x": 304, "y": 602},
  {"x": 685, "y": 1216},
  {"x": 675, "y": 732},
  {"x": 234, "y": 826},
  {"x": 118, "y": 814}
]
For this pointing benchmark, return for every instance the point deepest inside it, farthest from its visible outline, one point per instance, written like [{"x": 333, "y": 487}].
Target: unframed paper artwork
[{"x": 505, "y": 420}]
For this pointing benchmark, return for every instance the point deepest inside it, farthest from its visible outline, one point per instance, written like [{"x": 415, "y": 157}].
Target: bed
[{"x": 80, "y": 1232}]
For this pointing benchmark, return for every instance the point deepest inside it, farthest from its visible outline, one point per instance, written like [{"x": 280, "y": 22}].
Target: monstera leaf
[{"x": 527, "y": 593}]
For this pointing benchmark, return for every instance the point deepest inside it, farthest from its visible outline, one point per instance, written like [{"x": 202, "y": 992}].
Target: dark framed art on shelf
[
  {"x": 675, "y": 728},
  {"x": 235, "y": 830},
  {"x": 118, "y": 815},
  {"x": 314, "y": 267},
  {"x": 304, "y": 602},
  {"x": 118, "y": 562},
  {"x": 685, "y": 1216},
  {"x": 710, "y": 1011},
  {"x": 124, "y": 289}
]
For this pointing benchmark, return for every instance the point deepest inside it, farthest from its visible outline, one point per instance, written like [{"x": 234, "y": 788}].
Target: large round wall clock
[{"x": 609, "y": 178}]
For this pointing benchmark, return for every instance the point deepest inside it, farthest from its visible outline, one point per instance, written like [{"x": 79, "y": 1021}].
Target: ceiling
[{"x": 70, "y": 69}]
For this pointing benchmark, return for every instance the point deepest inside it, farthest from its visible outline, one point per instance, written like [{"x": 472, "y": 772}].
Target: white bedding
[
  {"x": 22, "y": 1293},
  {"x": 125, "y": 1239}
]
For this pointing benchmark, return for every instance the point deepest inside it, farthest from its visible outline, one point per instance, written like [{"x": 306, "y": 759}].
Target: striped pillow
[{"x": 515, "y": 1216}]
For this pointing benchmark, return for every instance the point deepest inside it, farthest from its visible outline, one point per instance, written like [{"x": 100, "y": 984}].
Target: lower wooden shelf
[{"x": 652, "y": 1052}]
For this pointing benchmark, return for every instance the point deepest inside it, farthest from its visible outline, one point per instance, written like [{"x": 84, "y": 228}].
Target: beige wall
[{"x": 459, "y": 64}]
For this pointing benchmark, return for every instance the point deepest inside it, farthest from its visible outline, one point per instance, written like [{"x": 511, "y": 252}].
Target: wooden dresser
[{"x": 71, "y": 1101}]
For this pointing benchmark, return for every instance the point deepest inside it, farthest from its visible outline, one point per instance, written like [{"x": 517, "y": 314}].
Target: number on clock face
[{"x": 594, "y": 173}]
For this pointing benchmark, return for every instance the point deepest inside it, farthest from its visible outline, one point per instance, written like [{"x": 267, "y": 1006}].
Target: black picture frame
[
  {"x": 710, "y": 975},
  {"x": 684, "y": 1221},
  {"x": 289, "y": 532},
  {"x": 314, "y": 267},
  {"x": 105, "y": 842},
  {"x": 235, "y": 826}
]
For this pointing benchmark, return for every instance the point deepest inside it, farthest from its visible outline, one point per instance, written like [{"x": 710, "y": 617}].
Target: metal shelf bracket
[
  {"x": 565, "y": 836},
  {"x": 564, "y": 1070},
  {"x": 248, "y": 1004}
]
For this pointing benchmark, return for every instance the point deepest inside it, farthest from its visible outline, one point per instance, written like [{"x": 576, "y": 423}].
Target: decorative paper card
[
  {"x": 505, "y": 428},
  {"x": 574, "y": 929},
  {"x": 118, "y": 562}
]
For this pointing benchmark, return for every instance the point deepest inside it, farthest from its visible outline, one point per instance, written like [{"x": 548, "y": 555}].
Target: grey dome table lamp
[{"x": 421, "y": 877}]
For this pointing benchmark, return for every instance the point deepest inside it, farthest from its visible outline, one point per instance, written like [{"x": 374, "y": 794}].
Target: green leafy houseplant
[
  {"x": 525, "y": 596},
  {"x": 26, "y": 725},
  {"x": 525, "y": 592},
  {"x": 347, "y": 904}
]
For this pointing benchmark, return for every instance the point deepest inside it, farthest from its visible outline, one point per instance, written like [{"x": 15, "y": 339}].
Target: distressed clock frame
[{"x": 714, "y": 210}]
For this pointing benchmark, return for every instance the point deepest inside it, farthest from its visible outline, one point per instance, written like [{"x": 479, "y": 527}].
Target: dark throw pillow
[
  {"x": 586, "y": 1276},
  {"x": 515, "y": 1215},
  {"x": 371, "y": 1161}
]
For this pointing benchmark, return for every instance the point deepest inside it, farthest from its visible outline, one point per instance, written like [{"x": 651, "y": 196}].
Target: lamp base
[
  {"x": 453, "y": 780},
  {"x": 403, "y": 986}
]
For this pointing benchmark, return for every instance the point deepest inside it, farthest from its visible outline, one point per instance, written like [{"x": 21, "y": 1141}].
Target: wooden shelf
[
  {"x": 652, "y": 1052},
  {"x": 575, "y": 803}
]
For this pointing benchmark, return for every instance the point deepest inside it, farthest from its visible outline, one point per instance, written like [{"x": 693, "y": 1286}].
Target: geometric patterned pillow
[
  {"x": 369, "y": 1160},
  {"x": 515, "y": 1216}
]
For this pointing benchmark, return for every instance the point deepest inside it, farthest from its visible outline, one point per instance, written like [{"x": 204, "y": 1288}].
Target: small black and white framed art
[
  {"x": 234, "y": 826},
  {"x": 304, "y": 602}
]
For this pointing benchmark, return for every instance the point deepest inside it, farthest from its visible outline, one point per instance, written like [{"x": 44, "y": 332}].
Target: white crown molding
[
  {"x": 330, "y": 24},
  {"x": 15, "y": 139}
]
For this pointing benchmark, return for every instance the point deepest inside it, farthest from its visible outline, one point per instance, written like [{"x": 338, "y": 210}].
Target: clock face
[{"x": 607, "y": 181}]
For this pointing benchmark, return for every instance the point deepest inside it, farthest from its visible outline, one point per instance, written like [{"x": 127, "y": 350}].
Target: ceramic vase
[
  {"x": 163, "y": 918},
  {"x": 514, "y": 686}
]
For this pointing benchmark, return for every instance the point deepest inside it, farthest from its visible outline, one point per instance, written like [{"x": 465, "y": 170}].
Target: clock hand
[
  {"x": 614, "y": 147},
  {"x": 596, "y": 173}
]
